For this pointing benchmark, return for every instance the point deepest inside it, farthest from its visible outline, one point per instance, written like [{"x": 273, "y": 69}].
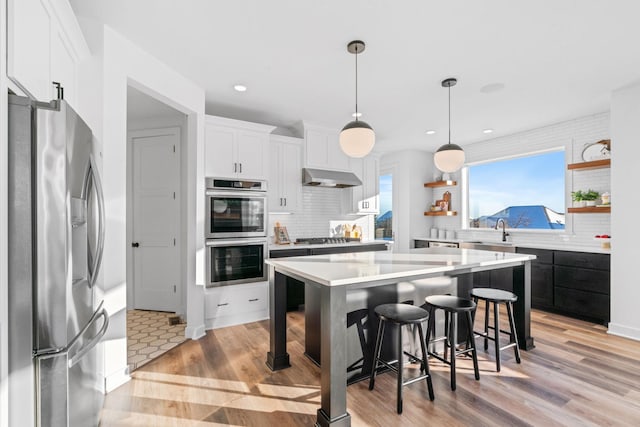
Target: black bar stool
[
  {"x": 452, "y": 306},
  {"x": 497, "y": 297},
  {"x": 401, "y": 314}
]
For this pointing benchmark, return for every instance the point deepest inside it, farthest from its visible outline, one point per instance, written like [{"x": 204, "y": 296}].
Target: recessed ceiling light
[
  {"x": 356, "y": 115},
  {"x": 492, "y": 87},
  {"x": 487, "y": 131},
  {"x": 240, "y": 88},
  {"x": 431, "y": 132}
]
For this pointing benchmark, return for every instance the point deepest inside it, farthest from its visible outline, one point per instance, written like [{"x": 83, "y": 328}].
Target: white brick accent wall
[
  {"x": 572, "y": 135},
  {"x": 320, "y": 206}
]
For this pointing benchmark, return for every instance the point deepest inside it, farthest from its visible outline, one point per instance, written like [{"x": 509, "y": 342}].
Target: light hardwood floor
[{"x": 577, "y": 375}]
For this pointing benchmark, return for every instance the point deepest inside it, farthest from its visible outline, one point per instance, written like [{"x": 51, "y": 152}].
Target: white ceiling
[{"x": 557, "y": 60}]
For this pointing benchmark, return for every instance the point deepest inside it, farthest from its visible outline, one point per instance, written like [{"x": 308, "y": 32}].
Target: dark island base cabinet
[{"x": 295, "y": 288}]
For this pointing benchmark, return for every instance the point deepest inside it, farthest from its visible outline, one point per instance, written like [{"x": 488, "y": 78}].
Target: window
[
  {"x": 527, "y": 192},
  {"x": 384, "y": 221}
]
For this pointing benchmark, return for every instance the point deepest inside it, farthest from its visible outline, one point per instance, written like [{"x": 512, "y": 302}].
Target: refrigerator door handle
[
  {"x": 96, "y": 261},
  {"x": 101, "y": 312}
]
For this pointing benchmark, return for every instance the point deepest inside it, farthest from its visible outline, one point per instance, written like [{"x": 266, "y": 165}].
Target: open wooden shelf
[
  {"x": 441, "y": 213},
  {"x": 591, "y": 209},
  {"x": 447, "y": 183},
  {"x": 595, "y": 164}
]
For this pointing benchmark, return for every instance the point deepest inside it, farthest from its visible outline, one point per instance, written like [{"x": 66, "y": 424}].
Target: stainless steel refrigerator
[{"x": 56, "y": 236}]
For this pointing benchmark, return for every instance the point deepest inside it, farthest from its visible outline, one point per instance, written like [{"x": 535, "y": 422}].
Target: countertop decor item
[
  {"x": 450, "y": 157},
  {"x": 281, "y": 235},
  {"x": 357, "y": 137}
]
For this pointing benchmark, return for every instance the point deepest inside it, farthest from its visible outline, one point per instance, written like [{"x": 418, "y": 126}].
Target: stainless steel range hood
[{"x": 329, "y": 178}]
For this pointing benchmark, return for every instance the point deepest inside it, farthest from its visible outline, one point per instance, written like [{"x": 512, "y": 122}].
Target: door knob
[{"x": 135, "y": 245}]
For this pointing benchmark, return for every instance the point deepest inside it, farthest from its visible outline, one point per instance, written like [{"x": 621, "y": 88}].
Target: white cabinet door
[
  {"x": 63, "y": 69},
  {"x": 234, "y": 153},
  {"x": 251, "y": 154},
  {"x": 44, "y": 44},
  {"x": 28, "y": 47},
  {"x": 219, "y": 152},
  {"x": 285, "y": 174},
  {"x": 364, "y": 198},
  {"x": 323, "y": 150}
]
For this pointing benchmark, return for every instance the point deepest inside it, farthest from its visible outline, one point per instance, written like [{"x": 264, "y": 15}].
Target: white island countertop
[{"x": 362, "y": 267}]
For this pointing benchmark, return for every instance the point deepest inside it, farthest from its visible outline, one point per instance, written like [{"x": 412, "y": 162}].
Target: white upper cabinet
[
  {"x": 44, "y": 44},
  {"x": 236, "y": 149},
  {"x": 285, "y": 173},
  {"x": 322, "y": 149},
  {"x": 365, "y": 198}
]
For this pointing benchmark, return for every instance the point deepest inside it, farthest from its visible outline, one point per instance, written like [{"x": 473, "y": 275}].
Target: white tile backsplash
[{"x": 319, "y": 208}]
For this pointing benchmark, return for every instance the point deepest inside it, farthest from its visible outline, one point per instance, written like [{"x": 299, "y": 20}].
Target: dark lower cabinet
[
  {"x": 541, "y": 277},
  {"x": 575, "y": 284}
]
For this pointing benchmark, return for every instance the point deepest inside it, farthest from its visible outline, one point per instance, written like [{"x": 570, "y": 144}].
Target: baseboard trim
[
  {"x": 116, "y": 379},
  {"x": 195, "y": 332},
  {"x": 624, "y": 331}
]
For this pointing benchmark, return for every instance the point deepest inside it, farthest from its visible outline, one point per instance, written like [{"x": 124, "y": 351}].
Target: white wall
[
  {"x": 4, "y": 236},
  {"x": 117, "y": 63},
  {"x": 411, "y": 169},
  {"x": 625, "y": 176}
]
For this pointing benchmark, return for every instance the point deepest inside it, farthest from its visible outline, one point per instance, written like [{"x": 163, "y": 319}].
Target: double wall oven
[{"x": 235, "y": 231}]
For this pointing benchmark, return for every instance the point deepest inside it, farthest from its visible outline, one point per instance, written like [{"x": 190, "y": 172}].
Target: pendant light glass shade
[
  {"x": 450, "y": 157},
  {"x": 357, "y": 138}
]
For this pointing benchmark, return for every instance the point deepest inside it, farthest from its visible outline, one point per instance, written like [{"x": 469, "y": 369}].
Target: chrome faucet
[{"x": 504, "y": 233}]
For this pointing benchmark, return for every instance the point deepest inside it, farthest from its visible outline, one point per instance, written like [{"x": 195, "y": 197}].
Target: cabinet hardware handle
[
  {"x": 253, "y": 300},
  {"x": 235, "y": 167},
  {"x": 280, "y": 201},
  {"x": 220, "y": 305},
  {"x": 240, "y": 167},
  {"x": 135, "y": 245},
  {"x": 285, "y": 201}
]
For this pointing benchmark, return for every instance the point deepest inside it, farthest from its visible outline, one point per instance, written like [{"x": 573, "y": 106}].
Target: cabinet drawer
[
  {"x": 542, "y": 256},
  {"x": 592, "y": 305},
  {"x": 238, "y": 299},
  {"x": 584, "y": 260},
  {"x": 583, "y": 279},
  {"x": 282, "y": 253}
]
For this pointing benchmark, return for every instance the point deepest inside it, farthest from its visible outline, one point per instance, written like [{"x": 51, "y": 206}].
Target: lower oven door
[{"x": 231, "y": 262}]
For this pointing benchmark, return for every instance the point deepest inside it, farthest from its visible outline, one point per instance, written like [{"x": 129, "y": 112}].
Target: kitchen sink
[{"x": 489, "y": 246}]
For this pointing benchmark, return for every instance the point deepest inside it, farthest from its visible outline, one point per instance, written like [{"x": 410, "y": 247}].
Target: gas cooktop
[{"x": 325, "y": 240}]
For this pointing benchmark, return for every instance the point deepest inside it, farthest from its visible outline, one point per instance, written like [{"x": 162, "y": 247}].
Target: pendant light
[
  {"x": 357, "y": 137},
  {"x": 450, "y": 157}
]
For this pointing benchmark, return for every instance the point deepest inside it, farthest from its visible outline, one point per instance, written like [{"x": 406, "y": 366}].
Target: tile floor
[{"x": 149, "y": 334}]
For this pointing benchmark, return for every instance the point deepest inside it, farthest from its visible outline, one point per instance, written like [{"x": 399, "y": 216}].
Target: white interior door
[{"x": 156, "y": 219}]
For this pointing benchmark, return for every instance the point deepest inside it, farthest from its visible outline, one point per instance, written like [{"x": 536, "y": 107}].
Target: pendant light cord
[
  {"x": 449, "y": 114},
  {"x": 356, "y": 83}
]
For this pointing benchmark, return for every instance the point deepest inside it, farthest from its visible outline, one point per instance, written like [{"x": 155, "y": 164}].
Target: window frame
[{"x": 568, "y": 219}]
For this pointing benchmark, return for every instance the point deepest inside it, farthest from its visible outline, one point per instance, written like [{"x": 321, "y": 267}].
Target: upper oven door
[{"x": 235, "y": 214}]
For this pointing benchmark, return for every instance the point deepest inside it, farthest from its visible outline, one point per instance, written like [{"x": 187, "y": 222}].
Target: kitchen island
[{"x": 333, "y": 275}]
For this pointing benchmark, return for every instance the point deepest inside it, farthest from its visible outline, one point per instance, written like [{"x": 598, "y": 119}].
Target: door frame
[{"x": 130, "y": 287}]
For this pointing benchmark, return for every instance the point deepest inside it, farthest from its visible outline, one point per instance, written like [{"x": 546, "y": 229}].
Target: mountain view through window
[{"x": 526, "y": 192}]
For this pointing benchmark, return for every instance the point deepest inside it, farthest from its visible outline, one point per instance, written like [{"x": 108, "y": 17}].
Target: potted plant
[
  {"x": 578, "y": 199},
  {"x": 590, "y": 196}
]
